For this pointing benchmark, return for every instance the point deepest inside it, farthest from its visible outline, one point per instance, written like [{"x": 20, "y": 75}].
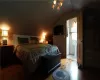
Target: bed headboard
[{"x": 20, "y": 39}]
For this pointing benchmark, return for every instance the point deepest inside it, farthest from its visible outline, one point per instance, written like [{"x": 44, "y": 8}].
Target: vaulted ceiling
[{"x": 37, "y": 11}]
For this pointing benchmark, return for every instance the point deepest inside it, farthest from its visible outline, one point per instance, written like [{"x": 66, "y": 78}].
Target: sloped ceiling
[{"x": 33, "y": 12}]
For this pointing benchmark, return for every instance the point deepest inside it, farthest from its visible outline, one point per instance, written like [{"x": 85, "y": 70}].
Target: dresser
[{"x": 6, "y": 55}]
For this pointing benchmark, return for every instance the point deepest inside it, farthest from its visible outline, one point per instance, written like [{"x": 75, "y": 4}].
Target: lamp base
[{"x": 4, "y": 42}]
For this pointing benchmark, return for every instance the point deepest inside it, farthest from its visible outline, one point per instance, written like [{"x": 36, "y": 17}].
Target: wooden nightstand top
[
  {"x": 2, "y": 46},
  {"x": 6, "y": 45}
]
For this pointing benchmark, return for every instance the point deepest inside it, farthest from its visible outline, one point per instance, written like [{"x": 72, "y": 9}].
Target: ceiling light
[
  {"x": 57, "y": 4},
  {"x": 54, "y": 2},
  {"x": 53, "y": 6},
  {"x": 60, "y": 3},
  {"x": 58, "y": 8}
]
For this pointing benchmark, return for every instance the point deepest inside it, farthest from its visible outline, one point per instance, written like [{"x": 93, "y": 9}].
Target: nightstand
[{"x": 6, "y": 54}]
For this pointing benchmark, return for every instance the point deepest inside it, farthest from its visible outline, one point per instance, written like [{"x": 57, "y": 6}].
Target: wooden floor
[
  {"x": 81, "y": 74},
  {"x": 15, "y": 72}
]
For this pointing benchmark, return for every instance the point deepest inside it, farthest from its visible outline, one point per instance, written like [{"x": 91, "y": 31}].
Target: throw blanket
[{"x": 33, "y": 51}]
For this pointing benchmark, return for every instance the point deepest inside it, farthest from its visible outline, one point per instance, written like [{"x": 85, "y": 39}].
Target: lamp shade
[{"x": 4, "y": 32}]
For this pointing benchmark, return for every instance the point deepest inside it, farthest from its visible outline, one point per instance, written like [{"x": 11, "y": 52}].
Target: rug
[
  {"x": 61, "y": 74},
  {"x": 64, "y": 66}
]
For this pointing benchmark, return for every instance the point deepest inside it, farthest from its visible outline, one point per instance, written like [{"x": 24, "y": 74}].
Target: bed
[{"x": 29, "y": 51}]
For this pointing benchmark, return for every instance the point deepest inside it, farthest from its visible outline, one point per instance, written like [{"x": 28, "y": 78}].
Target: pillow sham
[
  {"x": 23, "y": 40},
  {"x": 34, "y": 40}
]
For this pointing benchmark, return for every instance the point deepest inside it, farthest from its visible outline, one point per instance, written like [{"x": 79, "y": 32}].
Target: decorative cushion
[
  {"x": 34, "y": 40},
  {"x": 23, "y": 40}
]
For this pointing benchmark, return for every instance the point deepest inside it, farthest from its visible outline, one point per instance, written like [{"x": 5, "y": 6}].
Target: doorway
[{"x": 72, "y": 39}]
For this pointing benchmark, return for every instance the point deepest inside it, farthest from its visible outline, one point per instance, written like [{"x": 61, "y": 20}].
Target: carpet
[
  {"x": 64, "y": 66},
  {"x": 61, "y": 74}
]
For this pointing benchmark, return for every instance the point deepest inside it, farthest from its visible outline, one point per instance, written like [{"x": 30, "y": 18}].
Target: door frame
[
  {"x": 69, "y": 38},
  {"x": 80, "y": 56}
]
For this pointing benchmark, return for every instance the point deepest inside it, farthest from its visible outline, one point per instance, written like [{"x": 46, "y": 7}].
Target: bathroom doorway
[{"x": 72, "y": 38}]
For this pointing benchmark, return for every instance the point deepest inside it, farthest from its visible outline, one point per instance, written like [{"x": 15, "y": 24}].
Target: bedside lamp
[
  {"x": 4, "y": 33},
  {"x": 43, "y": 36}
]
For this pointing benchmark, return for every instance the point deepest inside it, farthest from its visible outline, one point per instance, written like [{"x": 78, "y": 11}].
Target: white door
[{"x": 80, "y": 40}]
